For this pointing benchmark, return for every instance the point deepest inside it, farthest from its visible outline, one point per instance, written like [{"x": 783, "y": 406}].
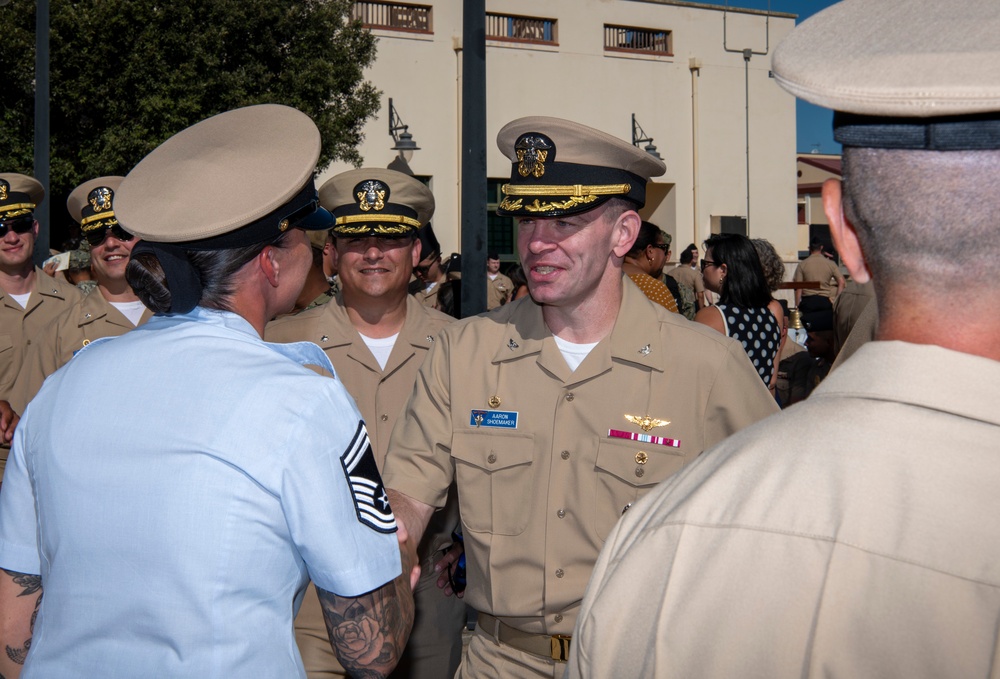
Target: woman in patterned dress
[{"x": 745, "y": 311}]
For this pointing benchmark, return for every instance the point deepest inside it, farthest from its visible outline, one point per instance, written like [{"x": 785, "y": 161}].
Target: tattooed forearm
[
  {"x": 368, "y": 633},
  {"x": 30, "y": 583},
  {"x": 18, "y": 655},
  {"x": 20, "y": 598}
]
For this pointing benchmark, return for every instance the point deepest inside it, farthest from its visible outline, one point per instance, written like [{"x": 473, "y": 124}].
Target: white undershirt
[
  {"x": 22, "y": 299},
  {"x": 573, "y": 353},
  {"x": 492, "y": 276},
  {"x": 130, "y": 310},
  {"x": 380, "y": 347}
]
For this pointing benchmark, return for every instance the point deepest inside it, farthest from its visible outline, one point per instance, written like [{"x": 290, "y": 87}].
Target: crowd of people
[{"x": 262, "y": 444}]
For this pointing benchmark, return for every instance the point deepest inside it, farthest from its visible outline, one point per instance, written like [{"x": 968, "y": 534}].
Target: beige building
[
  {"x": 812, "y": 170},
  {"x": 678, "y": 67}
]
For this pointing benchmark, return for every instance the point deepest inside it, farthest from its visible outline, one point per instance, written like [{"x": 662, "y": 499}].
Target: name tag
[{"x": 505, "y": 419}]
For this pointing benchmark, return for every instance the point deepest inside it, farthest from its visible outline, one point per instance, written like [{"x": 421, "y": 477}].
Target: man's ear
[
  {"x": 626, "y": 230},
  {"x": 417, "y": 247},
  {"x": 267, "y": 262},
  {"x": 845, "y": 237}
]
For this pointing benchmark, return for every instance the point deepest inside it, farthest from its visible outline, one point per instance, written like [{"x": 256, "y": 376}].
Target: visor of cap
[{"x": 908, "y": 58}]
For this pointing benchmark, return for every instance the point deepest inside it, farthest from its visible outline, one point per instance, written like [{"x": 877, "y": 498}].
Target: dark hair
[
  {"x": 744, "y": 285},
  {"x": 692, "y": 248},
  {"x": 214, "y": 268},
  {"x": 648, "y": 234},
  {"x": 517, "y": 277},
  {"x": 774, "y": 268},
  {"x": 687, "y": 256},
  {"x": 815, "y": 244},
  {"x": 493, "y": 255}
]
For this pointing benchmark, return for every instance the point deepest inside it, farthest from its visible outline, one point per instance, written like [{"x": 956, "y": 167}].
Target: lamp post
[
  {"x": 639, "y": 136},
  {"x": 400, "y": 134}
]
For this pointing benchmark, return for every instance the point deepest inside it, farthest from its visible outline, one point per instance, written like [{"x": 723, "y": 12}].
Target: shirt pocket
[
  {"x": 7, "y": 359},
  {"x": 495, "y": 481},
  {"x": 626, "y": 472}
]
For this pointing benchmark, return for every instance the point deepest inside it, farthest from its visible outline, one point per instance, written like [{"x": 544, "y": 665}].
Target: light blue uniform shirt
[{"x": 175, "y": 488}]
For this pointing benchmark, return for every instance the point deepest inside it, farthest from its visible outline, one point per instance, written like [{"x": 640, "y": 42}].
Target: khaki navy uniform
[
  {"x": 855, "y": 535},
  {"x": 541, "y": 480},
  {"x": 428, "y": 297},
  {"x": 816, "y": 267},
  {"x": 848, "y": 307},
  {"x": 91, "y": 318},
  {"x": 380, "y": 395},
  {"x": 862, "y": 332},
  {"x": 498, "y": 290},
  {"x": 50, "y": 298}
]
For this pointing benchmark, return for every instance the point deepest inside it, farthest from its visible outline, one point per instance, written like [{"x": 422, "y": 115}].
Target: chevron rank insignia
[{"x": 370, "y": 500}]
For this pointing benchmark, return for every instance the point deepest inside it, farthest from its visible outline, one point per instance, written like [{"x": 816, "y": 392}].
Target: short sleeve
[
  {"x": 334, "y": 502},
  {"x": 18, "y": 518}
]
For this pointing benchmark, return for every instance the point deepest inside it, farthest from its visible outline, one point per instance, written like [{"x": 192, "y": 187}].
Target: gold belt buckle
[{"x": 560, "y": 646}]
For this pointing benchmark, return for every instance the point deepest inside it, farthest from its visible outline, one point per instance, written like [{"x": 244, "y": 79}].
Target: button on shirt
[
  {"x": 174, "y": 524},
  {"x": 546, "y": 447}
]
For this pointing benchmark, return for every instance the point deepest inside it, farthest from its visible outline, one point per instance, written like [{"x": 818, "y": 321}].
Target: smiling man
[
  {"x": 110, "y": 310},
  {"x": 556, "y": 412},
  {"x": 376, "y": 336},
  {"x": 29, "y": 299}
]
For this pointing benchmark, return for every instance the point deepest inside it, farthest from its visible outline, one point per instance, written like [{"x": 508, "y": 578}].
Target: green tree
[{"x": 127, "y": 74}]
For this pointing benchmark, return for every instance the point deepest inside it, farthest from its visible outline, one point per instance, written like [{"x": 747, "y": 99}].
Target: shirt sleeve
[
  {"x": 18, "y": 518},
  {"x": 738, "y": 398},
  {"x": 419, "y": 461},
  {"x": 334, "y": 502}
]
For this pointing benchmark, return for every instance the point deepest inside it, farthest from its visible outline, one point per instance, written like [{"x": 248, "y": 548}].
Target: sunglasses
[
  {"x": 21, "y": 224},
  {"x": 98, "y": 235},
  {"x": 707, "y": 263},
  {"x": 660, "y": 246}
]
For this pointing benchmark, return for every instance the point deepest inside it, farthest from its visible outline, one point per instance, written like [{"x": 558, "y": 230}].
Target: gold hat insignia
[
  {"x": 100, "y": 199},
  {"x": 372, "y": 195},
  {"x": 4, "y": 186},
  {"x": 532, "y": 152},
  {"x": 646, "y": 422}
]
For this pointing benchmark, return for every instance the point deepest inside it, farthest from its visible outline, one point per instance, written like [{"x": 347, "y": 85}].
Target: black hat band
[
  {"x": 304, "y": 206},
  {"x": 945, "y": 133}
]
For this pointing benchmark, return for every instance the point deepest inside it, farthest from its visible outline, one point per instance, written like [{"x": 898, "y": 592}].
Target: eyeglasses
[
  {"x": 20, "y": 224},
  {"x": 707, "y": 262},
  {"x": 661, "y": 246},
  {"x": 423, "y": 269},
  {"x": 98, "y": 235}
]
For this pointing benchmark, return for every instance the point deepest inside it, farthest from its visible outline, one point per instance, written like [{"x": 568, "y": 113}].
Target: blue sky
[{"x": 813, "y": 124}]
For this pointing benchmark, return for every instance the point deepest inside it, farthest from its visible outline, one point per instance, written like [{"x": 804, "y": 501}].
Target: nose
[
  {"x": 373, "y": 250},
  {"x": 539, "y": 236}
]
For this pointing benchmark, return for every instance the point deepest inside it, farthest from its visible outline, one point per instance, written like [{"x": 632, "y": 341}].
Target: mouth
[
  {"x": 114, "y": 258},
  {"x": 370, "y": 271},
  {"x": 544, "y": 270}
]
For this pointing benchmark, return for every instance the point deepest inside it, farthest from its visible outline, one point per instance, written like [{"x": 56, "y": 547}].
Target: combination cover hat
[
  {"x": 236, "y": 179},
  {"x": 559, "y": 167},
  {"x": 376, "y": 202},
  {"x": 19, "y": 194},
  {"x": 906, "y": 74},
  {"x": 91, "y": 204}
]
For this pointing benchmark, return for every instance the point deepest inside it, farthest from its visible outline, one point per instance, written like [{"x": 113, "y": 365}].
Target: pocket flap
[
  {"x": 492, "y": 452},
  {"x": 638, "y": 464}
]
